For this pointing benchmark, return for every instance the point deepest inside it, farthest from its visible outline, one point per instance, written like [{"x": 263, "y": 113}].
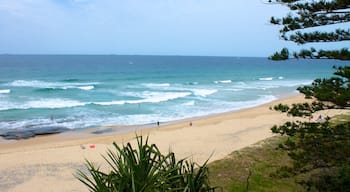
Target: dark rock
[
  {"x": 28, "y": 133},
  {"x": 49, "y": 130},
  {"x": 103, "y": 131},
  {"x": 16, "y": 135}
]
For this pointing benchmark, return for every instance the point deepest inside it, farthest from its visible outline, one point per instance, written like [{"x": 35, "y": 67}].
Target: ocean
[{"x": 80, "y": 91}]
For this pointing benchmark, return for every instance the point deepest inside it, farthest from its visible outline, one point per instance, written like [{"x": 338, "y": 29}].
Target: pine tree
[
  {"x": 308, "y": 15},
  {"x": 320, "y": 150}
]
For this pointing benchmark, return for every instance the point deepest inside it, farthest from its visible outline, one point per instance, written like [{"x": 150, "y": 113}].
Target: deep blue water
[{"x": 88, "y": 91}]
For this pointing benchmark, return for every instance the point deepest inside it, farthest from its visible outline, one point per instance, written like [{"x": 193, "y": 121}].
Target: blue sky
[{"x": 146, "y": 27}]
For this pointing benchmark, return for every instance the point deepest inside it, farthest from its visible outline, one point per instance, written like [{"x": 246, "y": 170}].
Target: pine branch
[
  {"x": 320, "y": 6},
  {"x": 308, "y": 21},
  {"x": 338, "y": 35},
  {"x": 315, "y": 14},
  {"x": 343, "y": 54}
]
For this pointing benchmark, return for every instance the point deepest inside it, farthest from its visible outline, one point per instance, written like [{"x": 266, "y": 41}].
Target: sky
[{"x": 140, "y": 27}]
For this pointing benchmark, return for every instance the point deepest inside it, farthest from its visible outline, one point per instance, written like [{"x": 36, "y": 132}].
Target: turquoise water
[{"x": 89, "y": 91}]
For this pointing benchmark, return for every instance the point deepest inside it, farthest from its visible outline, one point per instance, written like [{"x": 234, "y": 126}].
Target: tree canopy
[
  {"x": 319, "y": 149},
  {"x": 302, "y": 24}
]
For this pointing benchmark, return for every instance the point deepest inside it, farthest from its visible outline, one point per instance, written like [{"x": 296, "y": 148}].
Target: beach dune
[{"x": 48, "y": 163}]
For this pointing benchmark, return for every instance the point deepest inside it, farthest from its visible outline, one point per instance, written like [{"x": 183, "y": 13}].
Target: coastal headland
[{"x": 48, "y": 163}]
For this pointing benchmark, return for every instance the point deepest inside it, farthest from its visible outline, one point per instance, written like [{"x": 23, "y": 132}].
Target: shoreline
[
  {"x": 47, "y": 163},
  {"x": 128, "y": 132},
  {"x": 126, "y": 129}
]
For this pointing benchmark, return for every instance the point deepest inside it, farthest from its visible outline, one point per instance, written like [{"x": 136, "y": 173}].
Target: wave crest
[
  {"x": 86, "y": 88},
  {"x": 42, "y": 104},
  {"x": 5, "y": 91},
  {"x": 53, "y": 85},
  {"x": 156, "y": 85},
  {"x": 204, "y": 92},
  {"x": 149, "y": 97},
  {"x": 266, "y": 78},
  {"x": 223, "y": 81}
]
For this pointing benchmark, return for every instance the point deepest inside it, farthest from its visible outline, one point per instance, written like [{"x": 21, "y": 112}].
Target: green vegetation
[
  {"x": 320, "y": 150},
  {"x": 268, "y": 166},
  {"x": 309, "y": 15},
  {"x": 255, "y": 168},
  {"x": 283, "y": 55},
  {"x": 300, "y": 109},
  {"x": 336, "y": 90},
  {"x": 145, "y": 169},
  {"x": 343, "y": 54}
]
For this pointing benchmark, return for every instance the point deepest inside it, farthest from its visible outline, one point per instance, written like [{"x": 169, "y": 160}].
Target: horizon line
[{"x": 112, "y": 54}]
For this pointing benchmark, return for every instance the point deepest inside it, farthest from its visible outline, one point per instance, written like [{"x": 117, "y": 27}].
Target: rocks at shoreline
[{"x": 28, "y": 133}]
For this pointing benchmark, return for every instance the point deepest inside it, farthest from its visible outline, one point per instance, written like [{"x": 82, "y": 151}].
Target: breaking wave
[
  {"x": 42, "y": 103},
  {"x": 203, "y": 92},
  {"x": 149, "y": 97},
  {"x": 156, "y": 85},
  {"x": 5, "y": 91},
  {"x": 223, "y": 81},
  {"x": 53, "y": 85},
  {"x": 266, "y": 78}
]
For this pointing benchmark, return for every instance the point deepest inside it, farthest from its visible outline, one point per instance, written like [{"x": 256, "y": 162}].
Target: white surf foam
[
  {"x": 87, "y": 88},
  {"x": 156, "y": 97},
  {"x": 149, "y": 97},
  {"x": 267, "y": 84},
  {"x": 266, "y": 78},
  {"x": 53, "y": 103},
  {"x": 52, "y": 85},
  {"x": 156, "y": 85},
  {"x": 5, "y": 91},
  {"x": 190, "y": 103},
  {"x": 223, "y": 81},
  {"x": 110, "y": 103},
  {"x": 203, "y": 92},
  {"x": 41, "y": 103},
  {"x": 6, "y": 105}
]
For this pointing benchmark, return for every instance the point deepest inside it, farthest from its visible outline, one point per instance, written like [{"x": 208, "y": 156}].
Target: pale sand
[{"x": 48, "y": 163}]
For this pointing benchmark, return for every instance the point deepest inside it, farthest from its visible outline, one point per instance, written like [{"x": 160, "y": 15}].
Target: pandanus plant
[{"x": 145, "y": 169}]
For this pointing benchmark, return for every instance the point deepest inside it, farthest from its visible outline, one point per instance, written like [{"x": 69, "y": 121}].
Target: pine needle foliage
[
  {"x": 309, "y": 16},
  {"x": 320, "y": 149}
]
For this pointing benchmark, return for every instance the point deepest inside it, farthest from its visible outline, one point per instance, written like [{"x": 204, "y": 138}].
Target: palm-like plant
[{"x": 145, "y": 169}]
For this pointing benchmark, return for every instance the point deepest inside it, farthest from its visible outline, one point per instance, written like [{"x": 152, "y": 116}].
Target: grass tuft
[{"x": 255, "y": 168}]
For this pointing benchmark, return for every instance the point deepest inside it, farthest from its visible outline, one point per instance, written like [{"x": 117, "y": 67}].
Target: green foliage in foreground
[
  {"x": 145, "y": 169},
  {"x": 320, "y": 149}
]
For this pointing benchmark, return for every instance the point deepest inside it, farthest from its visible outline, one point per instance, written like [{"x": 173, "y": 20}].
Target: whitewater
[{"x": 79, "y": 92}]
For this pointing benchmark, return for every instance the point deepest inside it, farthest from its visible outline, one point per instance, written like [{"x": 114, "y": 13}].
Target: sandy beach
[{"x": 47, "y": 163}]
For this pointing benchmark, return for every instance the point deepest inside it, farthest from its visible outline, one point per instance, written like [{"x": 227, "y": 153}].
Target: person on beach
[
  {"x": 158, "y": 123},
  {"x": 319, "y": 118}
]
